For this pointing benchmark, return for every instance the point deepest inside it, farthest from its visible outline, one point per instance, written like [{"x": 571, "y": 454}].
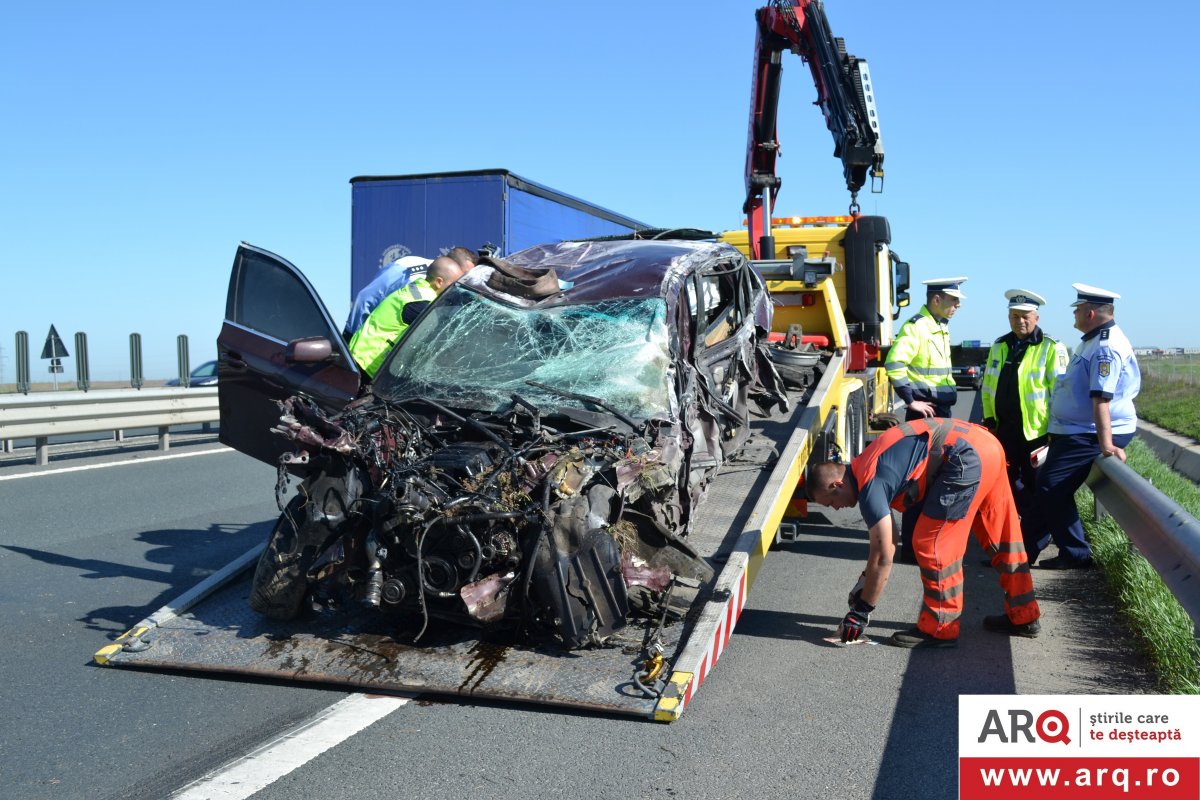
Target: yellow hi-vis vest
[
  {"x": 1040, "y": 367},
  {"x": 920, "y": 358},
  {"x": 373, "y": 341}
]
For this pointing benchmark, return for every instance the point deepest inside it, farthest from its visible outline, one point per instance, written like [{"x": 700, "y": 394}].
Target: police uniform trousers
[
  {"x": 1056, "y": 518},
  {"x": 970, "y": 494},
  {"x": 1022, "y": 476}
]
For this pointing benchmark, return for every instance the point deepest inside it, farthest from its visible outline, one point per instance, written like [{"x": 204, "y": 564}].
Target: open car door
[{"x": 277, "y": 341}]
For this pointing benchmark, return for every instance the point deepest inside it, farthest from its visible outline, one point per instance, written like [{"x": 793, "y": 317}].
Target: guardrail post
[
  {"x": 83, "y": 380},
  {"x": 22, "y": 362},
  {"x": 42, "y": 447},
  {"x": 164, "y": 438},
  {"x": 185, "y": 368}
]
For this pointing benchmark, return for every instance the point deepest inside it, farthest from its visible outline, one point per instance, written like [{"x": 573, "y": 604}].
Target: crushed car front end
[{"x": 531, "y": 454}]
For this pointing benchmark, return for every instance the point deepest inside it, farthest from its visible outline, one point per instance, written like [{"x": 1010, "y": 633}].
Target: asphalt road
[{"x": 84, "y": 555}]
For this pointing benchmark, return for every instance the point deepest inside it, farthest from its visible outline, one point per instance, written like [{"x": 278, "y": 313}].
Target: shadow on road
[{"x": 188, "y": 556}]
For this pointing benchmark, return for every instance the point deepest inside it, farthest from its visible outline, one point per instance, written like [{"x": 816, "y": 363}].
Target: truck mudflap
[{"x": 211, "y": 628}]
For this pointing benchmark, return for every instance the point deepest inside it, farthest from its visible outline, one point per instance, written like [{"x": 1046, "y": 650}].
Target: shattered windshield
[{"x": 470, "y": 350}]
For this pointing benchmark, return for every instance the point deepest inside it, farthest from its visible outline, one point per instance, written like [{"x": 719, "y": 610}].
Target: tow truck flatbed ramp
[{"x": 212, "y": 629}]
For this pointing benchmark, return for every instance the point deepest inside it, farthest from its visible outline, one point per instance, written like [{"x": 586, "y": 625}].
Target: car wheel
[{"x": 280, "y": 583}]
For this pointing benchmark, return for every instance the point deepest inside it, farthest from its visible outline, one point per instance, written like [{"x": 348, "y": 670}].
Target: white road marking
[
  {"x": 106, "y": 465},
  {"x": 294, "y": 749}
]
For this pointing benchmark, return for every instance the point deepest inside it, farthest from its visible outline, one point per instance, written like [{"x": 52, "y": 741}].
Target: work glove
[
  {"x": 856, "y": 621},
  {"x": 856, "y": 592}
]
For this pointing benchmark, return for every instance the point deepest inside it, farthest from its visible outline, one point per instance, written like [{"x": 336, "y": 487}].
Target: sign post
[{"x": 56, "y": 351}]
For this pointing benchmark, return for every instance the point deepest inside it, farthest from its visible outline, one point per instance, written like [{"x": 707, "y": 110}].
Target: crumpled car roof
[{"x": 591, "y": 271}]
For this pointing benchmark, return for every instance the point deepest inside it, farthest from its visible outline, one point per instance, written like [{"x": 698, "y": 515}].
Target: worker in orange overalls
[{"x": 958, "y": 470}]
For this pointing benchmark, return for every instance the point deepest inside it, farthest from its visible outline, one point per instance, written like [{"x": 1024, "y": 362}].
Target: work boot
[
  {"x": 1000, "y": 623},
  {"x": 915, "y": 637}
]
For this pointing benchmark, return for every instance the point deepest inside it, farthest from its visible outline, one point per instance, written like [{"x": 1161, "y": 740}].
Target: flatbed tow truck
[{"x": 833, "y": 315}]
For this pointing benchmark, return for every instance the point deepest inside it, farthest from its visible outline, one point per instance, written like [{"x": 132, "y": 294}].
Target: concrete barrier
[{"x": 1178, "y": 452}]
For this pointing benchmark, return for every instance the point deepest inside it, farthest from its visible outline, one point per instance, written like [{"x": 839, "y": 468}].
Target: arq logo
[{"x": 1051, "y": 727}]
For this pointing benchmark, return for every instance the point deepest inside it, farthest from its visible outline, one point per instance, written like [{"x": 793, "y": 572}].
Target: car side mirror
[{"x": 310, "y": 350}]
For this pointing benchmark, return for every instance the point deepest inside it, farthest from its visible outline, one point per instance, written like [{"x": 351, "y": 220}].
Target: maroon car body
[{"x": 530, "y": 455}]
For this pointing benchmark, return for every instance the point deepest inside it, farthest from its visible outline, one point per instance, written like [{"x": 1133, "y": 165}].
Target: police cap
[
  {"x": 1024, "y": 300},
  {"x": 950, "y": 286},
  {"x": 1092, "y": 294}
]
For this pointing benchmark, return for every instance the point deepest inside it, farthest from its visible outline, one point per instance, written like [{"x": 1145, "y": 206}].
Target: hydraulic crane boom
[{"x": 844, "y": 93}]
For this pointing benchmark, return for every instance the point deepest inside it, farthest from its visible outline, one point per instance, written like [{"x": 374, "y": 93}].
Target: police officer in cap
[
  {"x": 918, "y": 366},
  {"x": 918, "y": 362},
  {"x": 1091, "y": 414},
  {"x": 1020, "y": 373}
]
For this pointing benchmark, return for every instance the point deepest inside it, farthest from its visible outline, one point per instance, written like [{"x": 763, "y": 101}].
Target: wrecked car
[{"x": 530, "y": 456}]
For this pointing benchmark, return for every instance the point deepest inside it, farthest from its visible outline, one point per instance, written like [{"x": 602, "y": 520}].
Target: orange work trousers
[{"x": 972, "y": 487}]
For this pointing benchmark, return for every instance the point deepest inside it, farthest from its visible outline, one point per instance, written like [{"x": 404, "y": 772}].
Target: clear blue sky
[{"x": 1028, "y": 146}]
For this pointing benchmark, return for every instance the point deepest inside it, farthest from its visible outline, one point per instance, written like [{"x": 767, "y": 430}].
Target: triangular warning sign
[{"x": 54, "y": 347}]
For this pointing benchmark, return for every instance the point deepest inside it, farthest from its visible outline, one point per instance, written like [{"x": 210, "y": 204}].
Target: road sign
[{"x": 54, "y": 347}]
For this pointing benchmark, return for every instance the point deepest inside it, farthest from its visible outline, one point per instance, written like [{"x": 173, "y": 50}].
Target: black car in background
[
  {"x": 203, "y": 375},
  {"x": 967, "y": 362}
]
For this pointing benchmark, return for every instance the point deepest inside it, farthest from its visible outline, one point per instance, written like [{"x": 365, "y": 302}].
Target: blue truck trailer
[{"x": 399, "y": 215}]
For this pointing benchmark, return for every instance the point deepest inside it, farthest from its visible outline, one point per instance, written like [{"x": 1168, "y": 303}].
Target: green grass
[
  {"x": 1170, "y": 403},
  {"x": 1164, "y": 631}
]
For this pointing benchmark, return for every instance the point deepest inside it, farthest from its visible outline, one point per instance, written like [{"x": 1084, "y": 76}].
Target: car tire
[{"x": 280, "y": 583}]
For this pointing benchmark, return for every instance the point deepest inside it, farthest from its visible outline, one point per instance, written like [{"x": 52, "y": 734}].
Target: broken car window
[{"x": 470, "y": 350}]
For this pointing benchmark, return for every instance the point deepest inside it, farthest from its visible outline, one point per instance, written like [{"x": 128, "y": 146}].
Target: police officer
[
  {"x": 395, "y": 275},
  {"x": 1091, "y": 414},
  {"x": 400, "y": 309},
  {"x": 918, "y": 362},
  {"x": 1022, "y": 367},
  {"x": 918, "y": 366},
  {"x": 956, "y": 470}
]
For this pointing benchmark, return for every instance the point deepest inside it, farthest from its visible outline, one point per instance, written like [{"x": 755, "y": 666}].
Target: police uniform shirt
[{"x": 1103, "y": 365}]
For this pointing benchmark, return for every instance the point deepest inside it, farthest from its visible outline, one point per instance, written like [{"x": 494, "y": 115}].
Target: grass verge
[
  {"x": 1164, "y": 630},
  {"x": 1173, "y": 405}
]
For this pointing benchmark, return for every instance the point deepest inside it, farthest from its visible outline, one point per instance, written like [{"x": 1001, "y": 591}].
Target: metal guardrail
[
  {"x": 1165, "y": 534},
  {"x": 45, "y": 414}
]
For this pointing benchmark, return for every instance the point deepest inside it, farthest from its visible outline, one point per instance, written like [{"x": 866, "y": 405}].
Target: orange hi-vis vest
[{"x": 941, "y": 432}]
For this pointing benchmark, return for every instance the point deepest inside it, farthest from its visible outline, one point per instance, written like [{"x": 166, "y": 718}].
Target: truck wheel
[
  {"x": 280, "y": 585},
  {"x": 856, "y": 423}
]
